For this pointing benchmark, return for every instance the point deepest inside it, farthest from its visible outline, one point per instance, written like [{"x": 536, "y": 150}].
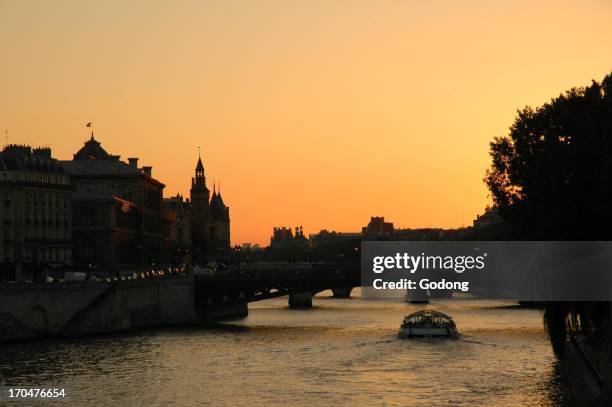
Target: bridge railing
[{"x": 288, "y": 271}]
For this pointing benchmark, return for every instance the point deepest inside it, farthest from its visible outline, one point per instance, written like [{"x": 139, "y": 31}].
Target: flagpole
[{"x": 90, "y": 125}]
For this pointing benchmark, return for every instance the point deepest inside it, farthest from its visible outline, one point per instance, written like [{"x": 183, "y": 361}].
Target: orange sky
[{"x": 319, "y": 113}]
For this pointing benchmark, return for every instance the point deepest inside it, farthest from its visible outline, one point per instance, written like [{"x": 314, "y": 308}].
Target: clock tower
[{"x": 200, "y": 212}]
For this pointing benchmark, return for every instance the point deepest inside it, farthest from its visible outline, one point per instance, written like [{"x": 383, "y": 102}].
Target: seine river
[{"x": 343, "y": 351}]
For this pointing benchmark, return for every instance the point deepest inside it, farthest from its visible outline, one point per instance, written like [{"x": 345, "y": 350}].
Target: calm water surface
[{"x": 342, "y": 351}]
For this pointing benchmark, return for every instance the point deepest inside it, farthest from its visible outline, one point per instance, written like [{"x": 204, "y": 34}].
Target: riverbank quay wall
[
  {"x": 39, "y": 310},
  {"x": 581, "y": 335},
  {"x": 586, "y": 383}
]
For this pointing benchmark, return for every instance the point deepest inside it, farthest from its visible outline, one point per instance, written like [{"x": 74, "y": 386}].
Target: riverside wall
[
  {"x": 584, "y": 381},
  {"x": 587, "y": 361},
  {"x": 38, "y": 310}
]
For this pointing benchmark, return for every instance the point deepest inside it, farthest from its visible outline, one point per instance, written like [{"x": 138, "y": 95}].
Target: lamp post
[{"x": 237, "y": 249}]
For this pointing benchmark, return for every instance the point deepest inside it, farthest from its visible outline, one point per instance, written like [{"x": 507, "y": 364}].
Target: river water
[{"x": 343, "y": 351}]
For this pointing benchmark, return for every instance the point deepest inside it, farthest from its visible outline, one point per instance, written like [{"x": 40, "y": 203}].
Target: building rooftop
[
  {"x": 93, "y": 160},
  {"x": 18, "y": 157}
]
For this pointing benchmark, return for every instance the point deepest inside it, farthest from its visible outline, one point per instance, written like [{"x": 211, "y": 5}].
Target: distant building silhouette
[
  {"x": 378, "y": 227},
  {"x": 489, "y": 218},
  {"x": 35, "y": 213},
  {"x": 285, "y": 236},
  {"x": 325, "y": 237},
  {"x": 285, "y": 245}
]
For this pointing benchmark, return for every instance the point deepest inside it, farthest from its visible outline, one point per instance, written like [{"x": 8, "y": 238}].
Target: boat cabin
[{"x": 428, "y": 323}]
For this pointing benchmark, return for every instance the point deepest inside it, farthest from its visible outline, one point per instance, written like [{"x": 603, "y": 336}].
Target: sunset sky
[{"x": 320, "y": 113}]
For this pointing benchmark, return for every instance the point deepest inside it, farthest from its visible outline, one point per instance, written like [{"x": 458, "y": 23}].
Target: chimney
[
  {"x": 18, "y": 149},
  {"x": 147, "y": 171},
  {"x": 133, "y": 162},
  {"x": 44, "y": 152}
]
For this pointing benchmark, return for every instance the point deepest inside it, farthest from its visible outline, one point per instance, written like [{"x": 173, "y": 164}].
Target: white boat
[{"x": 428, "y": 324}]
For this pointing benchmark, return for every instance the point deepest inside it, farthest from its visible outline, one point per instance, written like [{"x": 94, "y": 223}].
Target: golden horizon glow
[{"x": 308, "y": 113}]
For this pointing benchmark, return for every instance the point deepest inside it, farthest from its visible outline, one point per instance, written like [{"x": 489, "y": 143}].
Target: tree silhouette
[{"x": 550, "y": 177}]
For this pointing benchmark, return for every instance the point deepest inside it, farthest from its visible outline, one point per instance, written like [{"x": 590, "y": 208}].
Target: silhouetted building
[
  {"x": 220, "y": 223},
  {"x": 489, "y": 218},
  {"x": 200, "y": 213},
  {"x": 117, "y": 208},
  {"x": 177, "y": 211},
  {"x": 419, "y": 234},
  {"x": 202, "y": 225},
  {"x": 288, "y": 245},
  {"x": 325, "y": 237},
  {"x": 281, "y": 235},
  {"x": 378, "y": 227},
  {"x": 35, "y": 212},
  {"x": 285, "y": 236}
]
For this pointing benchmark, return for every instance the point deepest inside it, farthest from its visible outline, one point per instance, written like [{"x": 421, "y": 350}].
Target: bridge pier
[
  {"x": 218, "y": 306},
  {"x": 301, "y": 300},
  {"x": 342, "y": 292}
]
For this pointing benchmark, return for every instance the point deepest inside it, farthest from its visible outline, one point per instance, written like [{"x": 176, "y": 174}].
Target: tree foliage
[{"x": 551, "y": 176}]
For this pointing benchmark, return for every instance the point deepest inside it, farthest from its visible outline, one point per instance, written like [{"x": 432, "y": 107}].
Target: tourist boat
[{"x": 428, "y": 324}]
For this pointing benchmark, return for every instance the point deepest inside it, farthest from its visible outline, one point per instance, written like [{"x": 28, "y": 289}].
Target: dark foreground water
[{"x": 340, "y": 352}]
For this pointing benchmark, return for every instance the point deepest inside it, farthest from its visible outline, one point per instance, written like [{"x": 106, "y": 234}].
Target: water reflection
[{"x": 342, "y": 351}]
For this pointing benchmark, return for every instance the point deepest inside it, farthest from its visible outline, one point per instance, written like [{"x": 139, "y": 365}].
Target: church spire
[
  {"x": 200, "y": 177},
  {"x": 199, "y": 170},
  {"x": 199, "y": 165}
]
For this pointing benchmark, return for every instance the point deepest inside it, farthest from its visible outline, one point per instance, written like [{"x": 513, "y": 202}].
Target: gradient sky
[{"x": 321, "y": 113}]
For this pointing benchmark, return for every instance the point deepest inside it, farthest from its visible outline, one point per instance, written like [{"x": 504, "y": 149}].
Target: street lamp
[{"x": 237, "y": 249}]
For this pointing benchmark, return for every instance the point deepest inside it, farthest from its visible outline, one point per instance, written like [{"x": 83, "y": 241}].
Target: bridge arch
[{"x": 37, "y": 320}]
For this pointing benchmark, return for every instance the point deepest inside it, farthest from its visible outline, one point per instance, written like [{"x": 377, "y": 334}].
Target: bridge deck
[{"x": 255, "y": 282}]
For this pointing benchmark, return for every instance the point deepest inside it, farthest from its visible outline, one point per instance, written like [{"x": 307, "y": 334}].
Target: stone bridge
[{"x": 261, "y": 281}]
